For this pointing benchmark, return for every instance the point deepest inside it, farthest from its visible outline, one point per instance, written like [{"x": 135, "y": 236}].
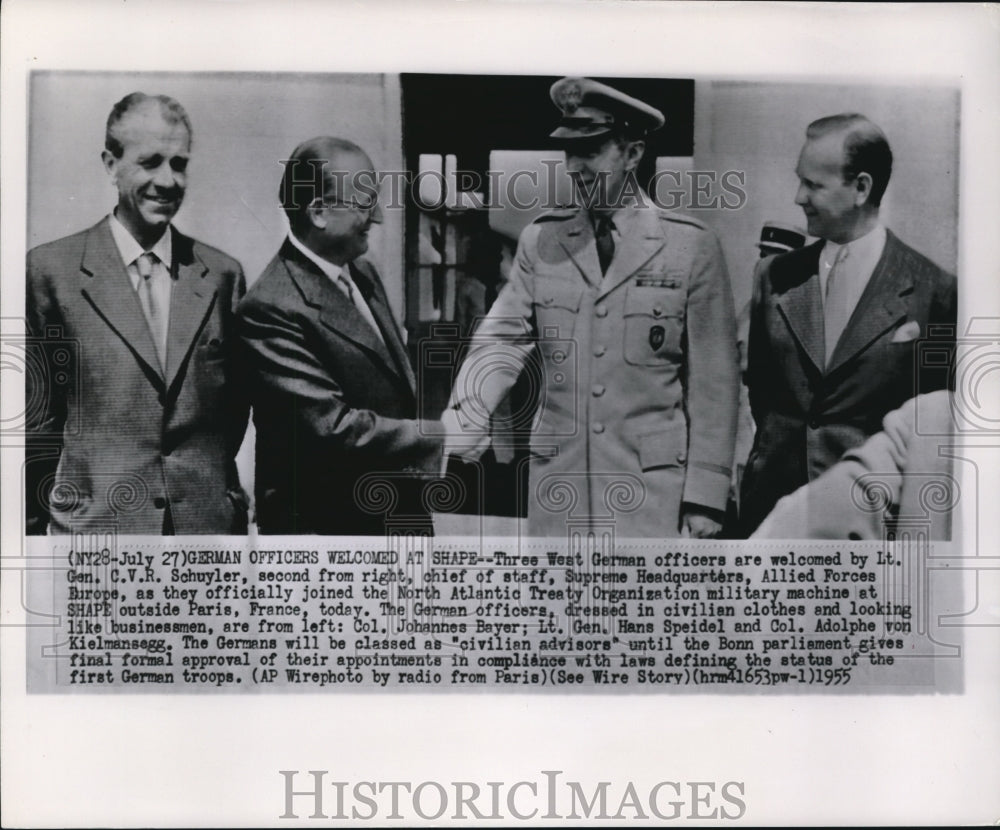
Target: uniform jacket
[
  {"x": 897, "y": 344},
  {"x": 114, "y": 441},
  {"x": 337, "y": 440},
  {"x": 899, "y": 481},
  {"x": 639, "y": 373}
]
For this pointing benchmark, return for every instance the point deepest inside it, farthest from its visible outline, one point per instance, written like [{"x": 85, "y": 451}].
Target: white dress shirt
[
  {"x": 856, "y": 266},
  {"x": 161, "y": 284}
]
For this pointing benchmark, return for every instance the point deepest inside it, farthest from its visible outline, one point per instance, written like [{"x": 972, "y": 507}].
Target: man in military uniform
[{"x": 631, "y": 310}]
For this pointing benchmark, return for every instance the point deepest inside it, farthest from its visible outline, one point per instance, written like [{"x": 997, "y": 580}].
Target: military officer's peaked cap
[
  {"x": 778, "y": 236},
  {"x": 590, "y": 108}
]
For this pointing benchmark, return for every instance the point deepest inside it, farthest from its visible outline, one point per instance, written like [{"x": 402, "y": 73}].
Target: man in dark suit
[
  {"x": 140, "y": 420},
  {"x": 334, "y": 396},
  {"x": 838, "y": 328}
]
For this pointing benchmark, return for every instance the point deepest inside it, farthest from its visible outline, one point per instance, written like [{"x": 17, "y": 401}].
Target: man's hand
[{"x": 700, "y": 522}]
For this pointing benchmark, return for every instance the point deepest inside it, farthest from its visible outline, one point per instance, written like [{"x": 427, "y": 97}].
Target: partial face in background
[
  {"x": 151, "y": 175},
  {"x": 599, "y": 167},
  {"x": 349, "y": 209},
  {"x": 831, "y": 205}
]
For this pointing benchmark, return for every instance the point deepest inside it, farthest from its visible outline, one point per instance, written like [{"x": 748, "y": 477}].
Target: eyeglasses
[{"x": 365, "y": 204}]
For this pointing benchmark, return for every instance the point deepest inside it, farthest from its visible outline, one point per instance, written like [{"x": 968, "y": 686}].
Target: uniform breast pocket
[
  {"x": 654, "y": 324},
  {"x": 556, "y": 306}
]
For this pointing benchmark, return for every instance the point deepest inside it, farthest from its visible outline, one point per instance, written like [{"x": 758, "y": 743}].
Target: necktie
[
  {"x": 155, "y": 305},
  {"x": 835, "y": 310},
  {"x": 359, "y": 303},
  {"x": 605, "y": 242}
]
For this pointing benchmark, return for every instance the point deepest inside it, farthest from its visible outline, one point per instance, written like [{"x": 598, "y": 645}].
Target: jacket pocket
[
  {"x": 556, "y": 306},
  {"x": 654, "y": 323},
  {"x": 664, "y": 448}
]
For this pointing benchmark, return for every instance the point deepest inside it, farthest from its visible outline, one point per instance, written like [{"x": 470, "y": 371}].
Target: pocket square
[{"x": 907, "y": 332}]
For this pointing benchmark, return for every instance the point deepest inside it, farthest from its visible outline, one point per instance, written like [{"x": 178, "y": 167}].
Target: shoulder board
[{"x": 682, "y": 218}]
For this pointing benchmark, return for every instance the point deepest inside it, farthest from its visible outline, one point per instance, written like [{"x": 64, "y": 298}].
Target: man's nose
[
  {"x": 801, "y": 195},
  {"x": 166, "y": 176}
]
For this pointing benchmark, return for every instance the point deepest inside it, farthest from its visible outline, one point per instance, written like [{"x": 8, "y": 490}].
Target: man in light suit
[
  {"x": 141, "y": 419},
  {"x": 900, "y": 480},
  {"x": 631, "y": 311},
  {"x": 838, "y": 328},
  {"x": 339, "y": 449}
]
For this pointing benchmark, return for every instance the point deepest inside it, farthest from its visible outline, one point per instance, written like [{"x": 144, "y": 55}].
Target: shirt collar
[
  {"x": 331, "y": 269},
  {"x": 131, "y": 250},
  {"x": 865, "y": 248},
  {"x": 623, "y": 217}
]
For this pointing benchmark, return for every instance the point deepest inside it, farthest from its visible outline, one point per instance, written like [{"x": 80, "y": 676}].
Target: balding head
[{"x": 329, "y": 193}]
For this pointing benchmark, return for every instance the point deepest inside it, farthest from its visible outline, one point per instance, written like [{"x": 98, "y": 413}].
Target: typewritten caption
[{"x": 160, "y": 616}]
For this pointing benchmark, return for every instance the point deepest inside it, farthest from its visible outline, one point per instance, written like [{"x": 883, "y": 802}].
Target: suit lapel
[
  {"x": 191, "y": 298},
  {"x": 881, "y": 304},
  {"x": 107, "y": 287},
  {"x": 797, "y": 279},
  {"x": 333, "y": 308},
  {"x": 643, "y": 240},
  {"x": 379, "y": 305}
]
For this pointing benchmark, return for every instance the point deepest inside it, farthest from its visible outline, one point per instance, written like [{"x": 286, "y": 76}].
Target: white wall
[{"x": 759, "y": 127}]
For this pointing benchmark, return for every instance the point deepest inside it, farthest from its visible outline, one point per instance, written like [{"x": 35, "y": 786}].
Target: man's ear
[
  {"x": 317, "y": 218},
  {"x": 634, "y": 153},
  {"x": 110, "y": 164},
  {"x": 863, "y": 189}
]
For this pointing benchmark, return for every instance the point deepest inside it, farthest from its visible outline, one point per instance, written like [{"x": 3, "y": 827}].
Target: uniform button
[
  {"x": 597, "y": 390},
  {"x": 598, "y": 429},
  {"x": 657, "y": 311},
  {"x": 599, "y": 351},
  {"x": 601, "y": 311},
  {"x": 558, "y": 356},
  {"x": 681, "y": 457},
  {"x": 159, "y": 503}
]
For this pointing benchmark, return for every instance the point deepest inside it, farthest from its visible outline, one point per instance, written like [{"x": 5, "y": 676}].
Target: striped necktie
[{"x": 155, "y": 301}]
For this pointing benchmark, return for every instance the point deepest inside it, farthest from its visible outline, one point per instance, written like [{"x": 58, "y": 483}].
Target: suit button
[
  {"x": 599, "y": 351},
  {"x": 657, "y": 311},
  {"x": 598, "y": 429},
  {"x": 159, "y": 503},
  {"x": 601, "y": 311},
  {"x": 597, "y": 390},
  {"x": 682, "y": 457}
]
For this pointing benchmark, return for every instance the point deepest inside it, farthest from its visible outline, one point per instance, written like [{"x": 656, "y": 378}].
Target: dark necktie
[{"x": 605, "y": 242}]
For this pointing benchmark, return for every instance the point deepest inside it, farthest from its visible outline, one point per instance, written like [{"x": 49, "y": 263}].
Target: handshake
[{"x": 466, "y": 433}]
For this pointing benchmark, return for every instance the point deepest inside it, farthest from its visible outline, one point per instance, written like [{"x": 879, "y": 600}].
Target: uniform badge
[
  {"x": 656, "y": 335},
  {"x": 570, "y": 96}
]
